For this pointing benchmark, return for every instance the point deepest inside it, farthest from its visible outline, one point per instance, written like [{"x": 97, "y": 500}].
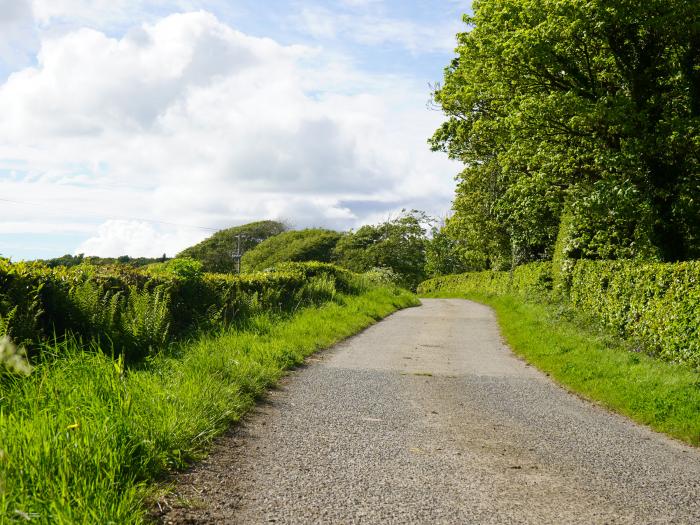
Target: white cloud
[
  {"x": 191, "y": 122},
  {"x": 17, "y": 35},
  {"x": 375, "y": 28},
  {"x": 140, "y": 238},
  {"x": 318, "y": 23}
]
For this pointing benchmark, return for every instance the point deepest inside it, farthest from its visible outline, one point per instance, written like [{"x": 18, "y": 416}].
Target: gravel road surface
[{"x": 427, "y": 417}]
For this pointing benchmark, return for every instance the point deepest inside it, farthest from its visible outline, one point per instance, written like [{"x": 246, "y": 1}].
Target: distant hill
[
  {"x": 215, "y": 252},
  {"x": 298, "y": 246}
]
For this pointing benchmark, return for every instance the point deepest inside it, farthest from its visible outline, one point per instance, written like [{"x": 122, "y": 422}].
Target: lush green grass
[
  {"x": 82, "y": 439},
  {"x": 600, "y": 366}
]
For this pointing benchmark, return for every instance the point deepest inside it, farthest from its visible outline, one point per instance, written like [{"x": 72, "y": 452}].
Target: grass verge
[
  {"x": 82, "y": 439},
  {"x": 599, "y": 366}
]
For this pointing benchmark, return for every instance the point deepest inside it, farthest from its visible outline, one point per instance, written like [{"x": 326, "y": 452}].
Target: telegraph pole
[{"x": 237, "y": 256}]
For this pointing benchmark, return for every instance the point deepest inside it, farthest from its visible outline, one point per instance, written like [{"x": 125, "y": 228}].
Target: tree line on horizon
[{"x": 399, "y": 245}]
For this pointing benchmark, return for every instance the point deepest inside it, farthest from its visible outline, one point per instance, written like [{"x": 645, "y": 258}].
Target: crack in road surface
[{"x": 427, "y": 417}]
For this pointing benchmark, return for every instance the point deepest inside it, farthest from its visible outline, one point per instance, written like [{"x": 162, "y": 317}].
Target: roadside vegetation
[
  {"x": 215, "y": 252},
  {"x": 644, "y": 364},
  {"x": 400, "y": 245},
  {"x": 576, "y": 215},
  {"x": 578, "y": 125},
  {"x": 87, "y": 425},
  {"x": 315, "y": 244}
]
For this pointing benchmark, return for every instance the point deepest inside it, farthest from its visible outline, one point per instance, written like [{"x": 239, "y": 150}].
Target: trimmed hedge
[
  {"x": 656, "y": 305},
  {"x": 136, "y": 312},
  {"x": 530, "y": 280}
]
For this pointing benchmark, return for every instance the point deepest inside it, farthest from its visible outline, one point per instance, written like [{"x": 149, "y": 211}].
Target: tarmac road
[{"x": 427, "y": 417}]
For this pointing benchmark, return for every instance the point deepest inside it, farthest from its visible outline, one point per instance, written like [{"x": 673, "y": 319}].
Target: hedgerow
[
  {"x": 533, "y": 280},
  {"x": 656, "y": 305},
  {"x": 134, "y": 312}
]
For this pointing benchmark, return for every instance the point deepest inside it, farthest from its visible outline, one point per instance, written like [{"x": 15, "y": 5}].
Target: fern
[
  {"x": 6, "y": 321},
  {"x": 98, "y": 309},
  {"x": 146, "y": 321}
]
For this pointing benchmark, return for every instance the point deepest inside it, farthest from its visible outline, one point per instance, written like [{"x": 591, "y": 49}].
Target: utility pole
[{"x": 237, "y": 256}]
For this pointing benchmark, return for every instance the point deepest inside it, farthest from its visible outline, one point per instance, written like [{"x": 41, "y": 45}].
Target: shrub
[
  {"x": 398, "y": 244},
  {"x": 529, "y": 280},
  {"x": 291, "y": 246},
  {"x": 184, "y": 267}
]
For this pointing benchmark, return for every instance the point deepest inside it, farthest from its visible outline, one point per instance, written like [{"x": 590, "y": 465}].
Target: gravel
[{"x": 427, "y": 417}]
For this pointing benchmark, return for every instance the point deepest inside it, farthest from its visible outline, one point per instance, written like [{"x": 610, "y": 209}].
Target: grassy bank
[
  {"x": 82, "y": 438},
  {"x": 598, "y": 365}
]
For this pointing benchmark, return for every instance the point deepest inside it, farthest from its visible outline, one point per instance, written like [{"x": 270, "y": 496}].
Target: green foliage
[
  {"x": 590, "y": 102},
  {"x": 610, "y": 220},
  {"x": 137, "y": 312},
  {"x": 444, "y": 255},
  {"x": 21, "y": 289},
  {"x": 70, "y": 261},
  {"x": 564, "y": 251},
  {"x": 381, "y": 276},
  {"x": 398, "y": 244},
  {"x": 145, "y": 321},
  {"x": 483, "y": 236},
  {"x": 529, "y": 280},
  {"x": 184, "y": 267},
  {"x": 83, "y": 437},
  {"x": 98, "y": 309},
  {"x": 655, "y": 305},
  {"x": 317, "y": 290},
  {"x": 291, "y": 246},
  {"x": 216, "y": 252}
]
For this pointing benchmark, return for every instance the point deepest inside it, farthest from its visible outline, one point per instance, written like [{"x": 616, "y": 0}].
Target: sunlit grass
[{"x": 82, "y": 439}]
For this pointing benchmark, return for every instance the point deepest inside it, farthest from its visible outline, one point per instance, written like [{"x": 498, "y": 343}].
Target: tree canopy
[
  {"x": 291, "y": 246},
  {"x": 586, "y": 108},
  {"x": 398, "y": 244},
  {"x": 216, "y": 252}
]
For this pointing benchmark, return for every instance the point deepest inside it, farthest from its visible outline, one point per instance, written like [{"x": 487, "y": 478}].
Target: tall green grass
[
  {"x": 83, "y": 438},
  {"x": 575, "y": 351}
]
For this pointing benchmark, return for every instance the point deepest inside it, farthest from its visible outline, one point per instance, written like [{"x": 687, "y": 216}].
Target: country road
[{"x": 427, "y": 418}]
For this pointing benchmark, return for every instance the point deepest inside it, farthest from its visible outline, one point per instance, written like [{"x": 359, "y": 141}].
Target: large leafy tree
[
  {"x": 398, "y": 244},
  {"x": 592, "y": 106},
  {"x": 444, "y": 256}
]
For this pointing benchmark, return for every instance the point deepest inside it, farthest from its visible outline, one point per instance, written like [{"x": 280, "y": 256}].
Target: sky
[{"x": 139, "y": 127}]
